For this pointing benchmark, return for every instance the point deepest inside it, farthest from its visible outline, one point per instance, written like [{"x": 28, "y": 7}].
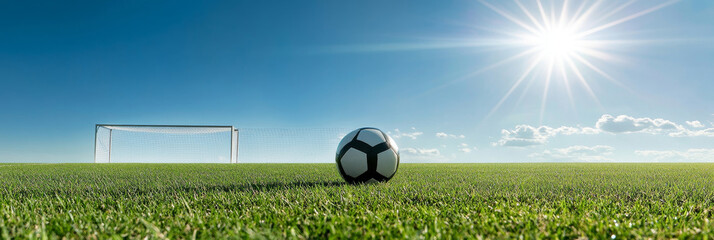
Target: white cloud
[
  {"x": 446, "y": 135},
  {"x": 415, "y": 154},
  {"x": 525, "y": 135},
  {"x": 627, "y": 124},
  {"x": 695, "y": 124},
  {"x": 399, "y": 134},
  {"x": 467, "y": 149},
  {"x": 576, "y": 153},
  {"x": 464, "y": 147},
  {"x": 423, "y": 152},
  {"x": 691, "y": 155},
  {"x": 709, "y": 132}
]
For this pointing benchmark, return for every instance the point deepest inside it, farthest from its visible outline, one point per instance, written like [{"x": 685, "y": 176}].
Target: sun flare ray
[
  {"x": 582, "y": 79},
  {"x": 558, "y": 43},
  {"x": 530, "y": 16},
  {"x": 579, "y": 20},
  {"x": 489, "y": 67},
  {"x": 564, "y": 76},
  {"x": 614, "y": 11},
  {"x": 542, "y": 14},
  {"x": 563, "y": 12},
  {"x": 509, "y": 17},
  {"x": 544, "y": 98},
  {"x": 625, "y": 19},
  {"x": 597, "y": 70},
  {"x": 516, "y": 84},
  {"x": 565, "y": 41}
]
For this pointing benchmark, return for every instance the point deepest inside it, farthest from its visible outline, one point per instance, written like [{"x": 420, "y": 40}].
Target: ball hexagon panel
[
  {"x": 372, "y": 137},
  {"x": 387, "y": 163},
  {"x": 354, "y": 162}
]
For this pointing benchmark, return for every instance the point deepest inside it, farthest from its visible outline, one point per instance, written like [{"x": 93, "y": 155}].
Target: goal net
[
  {"x": 165, "y": 144},
  {"x": 289, "y": 145}
]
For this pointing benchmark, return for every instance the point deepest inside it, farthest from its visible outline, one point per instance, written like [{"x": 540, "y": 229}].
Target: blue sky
[{"x": 415, "y": 66}]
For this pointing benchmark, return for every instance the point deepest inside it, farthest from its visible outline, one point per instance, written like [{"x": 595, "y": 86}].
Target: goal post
[{"x": 114, "y": 143}]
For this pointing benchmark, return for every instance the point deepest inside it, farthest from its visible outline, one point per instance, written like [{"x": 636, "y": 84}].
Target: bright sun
[
  {"x": 560, "y": 38},
  {"x": 556, "y": 43}
]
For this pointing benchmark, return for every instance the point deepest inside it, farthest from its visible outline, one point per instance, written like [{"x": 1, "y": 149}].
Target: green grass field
[{"x": 310, "y": 201}]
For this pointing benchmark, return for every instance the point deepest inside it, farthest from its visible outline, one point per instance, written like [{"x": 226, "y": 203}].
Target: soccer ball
[{"x": 367, "y": 155}]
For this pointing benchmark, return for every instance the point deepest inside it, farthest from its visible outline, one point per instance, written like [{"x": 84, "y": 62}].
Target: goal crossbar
[{"x": 191, "y": 126}]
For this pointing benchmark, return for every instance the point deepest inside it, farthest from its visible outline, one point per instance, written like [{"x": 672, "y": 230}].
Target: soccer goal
[{"x": 165, "y": 144}]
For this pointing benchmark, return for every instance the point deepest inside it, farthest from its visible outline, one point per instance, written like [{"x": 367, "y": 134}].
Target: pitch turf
[{"x": 310, "y": 201}]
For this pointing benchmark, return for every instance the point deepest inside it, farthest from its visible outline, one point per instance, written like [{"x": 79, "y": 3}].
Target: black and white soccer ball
[{"x": 367, "y": 155}]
